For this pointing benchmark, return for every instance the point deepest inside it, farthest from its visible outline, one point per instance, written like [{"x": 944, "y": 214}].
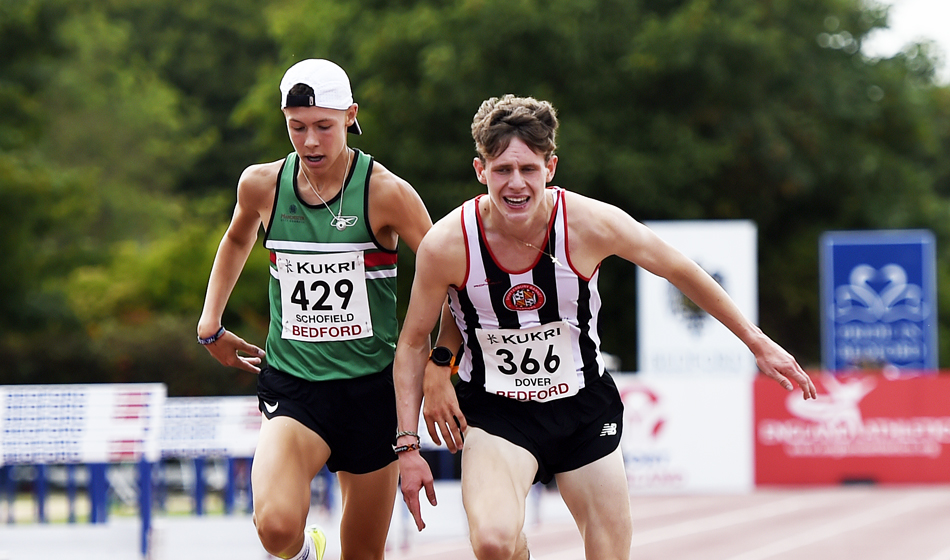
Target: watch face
[{"x": 441, "y": 356}]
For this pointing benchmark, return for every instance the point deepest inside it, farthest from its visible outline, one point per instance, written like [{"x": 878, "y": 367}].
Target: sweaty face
[{"x": 516, "y": 180}]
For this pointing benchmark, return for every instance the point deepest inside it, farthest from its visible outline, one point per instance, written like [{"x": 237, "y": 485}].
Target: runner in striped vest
[
  {"x": 534, "y": 402},
  {"x": 546, "y": 296}
]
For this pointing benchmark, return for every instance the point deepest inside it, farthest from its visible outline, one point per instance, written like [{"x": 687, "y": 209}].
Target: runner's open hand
[
  {"x": 415, "y": 475},
  {"x": 232, "y": 350},
  {"x": 440, "y": 407},
  {"x": 775, "y": 362}
]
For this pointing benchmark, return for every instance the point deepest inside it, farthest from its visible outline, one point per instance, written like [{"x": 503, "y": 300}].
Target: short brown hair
[{"x": 498, "y": 120}]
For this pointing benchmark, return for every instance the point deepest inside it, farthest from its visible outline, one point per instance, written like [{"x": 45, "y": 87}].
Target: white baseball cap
[{"x": 330, "y": 84}]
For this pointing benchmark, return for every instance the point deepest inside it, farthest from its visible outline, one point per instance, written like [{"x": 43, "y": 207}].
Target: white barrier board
[
  {"x": 210, "y": 426},
  {"x": 96, "y": 423},
  {"x": 674, "y": 335},
  {"x": 687, "y": 433}
]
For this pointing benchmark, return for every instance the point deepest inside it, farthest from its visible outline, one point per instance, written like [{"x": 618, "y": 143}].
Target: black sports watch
[{"x": 441, "y": 356}]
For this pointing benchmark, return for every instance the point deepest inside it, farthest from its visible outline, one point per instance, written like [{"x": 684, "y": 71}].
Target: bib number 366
[
  {"x": 535, "y": 364},
  {"x": 528, "y": 364}
]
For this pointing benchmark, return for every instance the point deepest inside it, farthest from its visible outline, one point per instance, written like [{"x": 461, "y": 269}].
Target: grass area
[{"x": 25, "y": 510}]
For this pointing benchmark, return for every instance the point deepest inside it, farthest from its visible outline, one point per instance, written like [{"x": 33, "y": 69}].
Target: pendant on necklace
[
  {"x": 550, "y": 255},
  {"x": 343, "y": 222}
]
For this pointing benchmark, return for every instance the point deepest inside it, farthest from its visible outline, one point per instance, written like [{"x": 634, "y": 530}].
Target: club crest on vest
[{"x": 524, "y": 297}]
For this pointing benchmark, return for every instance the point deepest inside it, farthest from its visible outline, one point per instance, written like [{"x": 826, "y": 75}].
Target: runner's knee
[
  {"x": 494, "y": 542},
  {"x": 278, "y": 530}
]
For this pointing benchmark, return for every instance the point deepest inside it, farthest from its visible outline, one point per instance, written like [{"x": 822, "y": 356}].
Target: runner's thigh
[
  {"x": 368, "y": 501},
  {"x": 496, "y": 478},
  {"x": 598, "y": 497},
  {"x": 287, "y": 457}
]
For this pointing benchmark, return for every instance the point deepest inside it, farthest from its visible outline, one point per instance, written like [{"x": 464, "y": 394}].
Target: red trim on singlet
[
  {"x": 468, "y": 256},
  {"x": 380, "y": 259},
  {"x": 567, "y": 244}
]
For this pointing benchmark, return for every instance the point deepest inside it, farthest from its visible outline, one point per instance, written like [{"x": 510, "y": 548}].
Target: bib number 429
[
  {"x": 321, "y": 290},
  {"x": 323, "y": 297}
]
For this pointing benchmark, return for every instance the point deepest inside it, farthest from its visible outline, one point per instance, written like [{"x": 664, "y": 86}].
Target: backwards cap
[{"x": 330, "y": 84}]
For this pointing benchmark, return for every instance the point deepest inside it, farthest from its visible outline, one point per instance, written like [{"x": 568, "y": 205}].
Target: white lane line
[
  {"x": 702, "y": 525},
  {"x": 834, "y": 528},
  {"x": 644, "y": 510},
  {"x": 718, "y": 521}
]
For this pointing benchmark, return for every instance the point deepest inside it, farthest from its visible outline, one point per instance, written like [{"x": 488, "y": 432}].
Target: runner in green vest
[{"x": 332, "y": 217}]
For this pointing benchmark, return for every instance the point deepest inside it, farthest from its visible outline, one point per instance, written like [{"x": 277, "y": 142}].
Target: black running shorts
[
  {"x": 563, "y": 435},
  {"x": 356, "y": 417}
]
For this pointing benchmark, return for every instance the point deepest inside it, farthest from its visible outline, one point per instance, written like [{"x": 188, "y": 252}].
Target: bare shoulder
[
  {"x": 396, "y": 210},
  {"x": 593, "y": 219},
  {"x": 257, "y": 183},
  {"x": 442, "y": 250},
  {"x": 255, "y": 201},
  {"x": 597, "y": 230},
  {"x": 389, "y": 187},
  {"x": 262, "y": 172},
  {"x": 448, "y": 229}
]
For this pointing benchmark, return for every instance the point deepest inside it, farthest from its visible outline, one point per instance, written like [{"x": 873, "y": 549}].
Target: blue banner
[{"x": 879, "y": 301}]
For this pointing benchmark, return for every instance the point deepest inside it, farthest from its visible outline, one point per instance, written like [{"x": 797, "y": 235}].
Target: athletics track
[{"x": 828, "y": 523}]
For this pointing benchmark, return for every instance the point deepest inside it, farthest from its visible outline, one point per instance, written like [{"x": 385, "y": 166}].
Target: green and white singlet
[{"x": 333, "y": 286}]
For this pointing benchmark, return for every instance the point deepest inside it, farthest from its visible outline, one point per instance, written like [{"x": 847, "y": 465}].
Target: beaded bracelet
[
  {"x": 213, "y": 338},
  {"x": 408, "y": 447}
]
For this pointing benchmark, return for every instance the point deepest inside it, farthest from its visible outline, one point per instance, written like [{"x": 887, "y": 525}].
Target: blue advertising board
[{"x": 879, "y": 301}]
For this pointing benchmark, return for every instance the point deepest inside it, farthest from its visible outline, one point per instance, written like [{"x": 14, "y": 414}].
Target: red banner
[{"x": 861, "y": 428}]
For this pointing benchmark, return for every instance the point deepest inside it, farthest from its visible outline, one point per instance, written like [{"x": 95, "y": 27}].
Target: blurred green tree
[
  {"x": 125, "y": 124},
  {"x": 685, "y": 109}
]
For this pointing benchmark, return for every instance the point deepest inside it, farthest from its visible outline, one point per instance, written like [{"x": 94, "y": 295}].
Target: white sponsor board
[
  {"x": 210, "y": 426},
  {"x": 687, "y": 433},
  {"x": 104, "y": 423},
  {"x": 674, "y": 335}
]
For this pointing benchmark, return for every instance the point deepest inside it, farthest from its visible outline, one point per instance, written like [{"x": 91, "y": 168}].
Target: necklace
[
  {"x": 549, "y": 253},
  {"x": 339, "y": 221}
]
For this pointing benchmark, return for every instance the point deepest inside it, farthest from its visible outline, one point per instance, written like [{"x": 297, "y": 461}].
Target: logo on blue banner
[{"x": 878, "y": 301}]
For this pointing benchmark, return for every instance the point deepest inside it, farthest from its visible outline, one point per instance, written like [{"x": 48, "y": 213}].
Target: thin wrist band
[
  {"x": 403, "y": 448},
  {"x": 213, "y": 338}
]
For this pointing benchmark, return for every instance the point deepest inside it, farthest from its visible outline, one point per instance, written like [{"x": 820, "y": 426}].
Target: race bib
[
  {"x": 323, "y": 297},
  {"x": 533, "y": 364}
]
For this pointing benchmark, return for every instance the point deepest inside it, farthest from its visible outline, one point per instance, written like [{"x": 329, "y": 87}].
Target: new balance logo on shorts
[{"x": 610, "y": 429}]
